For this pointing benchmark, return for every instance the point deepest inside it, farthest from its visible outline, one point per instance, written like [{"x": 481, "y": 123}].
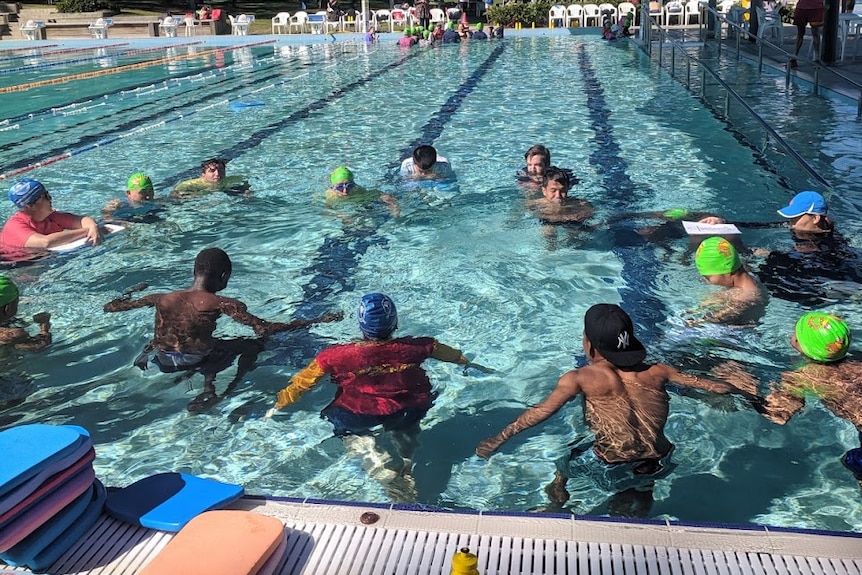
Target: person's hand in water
[{"x": 477, "y": 367}]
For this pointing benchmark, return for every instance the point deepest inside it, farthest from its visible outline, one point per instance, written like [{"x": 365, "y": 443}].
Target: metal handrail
[
  {"x": 740, "y": 31},
  {"x": 730, "y": 92}
]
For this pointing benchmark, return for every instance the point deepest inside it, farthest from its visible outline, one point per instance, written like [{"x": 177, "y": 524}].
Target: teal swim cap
[
  {"x": 822, "y": 337},
  {"x": 341, "y": 174},
  {"x": 716, "y": 256},
  {"x": 8, "y": 291}
]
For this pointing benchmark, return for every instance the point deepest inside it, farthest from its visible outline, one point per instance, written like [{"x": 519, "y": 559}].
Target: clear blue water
[{"x": 470, "y": 267}]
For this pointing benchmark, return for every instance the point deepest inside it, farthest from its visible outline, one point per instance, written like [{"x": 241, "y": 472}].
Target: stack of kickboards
[
  {"x": 209, "y": 540},
  {"x": 49, "y": 494}
]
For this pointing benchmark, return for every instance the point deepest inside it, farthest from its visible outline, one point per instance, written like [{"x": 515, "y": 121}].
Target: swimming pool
[{"x": 469, "y": 266}]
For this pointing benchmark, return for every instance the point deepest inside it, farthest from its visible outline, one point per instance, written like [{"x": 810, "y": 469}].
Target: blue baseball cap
[
  {"x": 378, "y": 317},
  {"x": 804, "y": 203},
  {"x": 25, "y": 192}
]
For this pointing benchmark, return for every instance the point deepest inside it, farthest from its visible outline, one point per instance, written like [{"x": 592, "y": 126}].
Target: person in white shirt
[{"x": 425, "y": 163}]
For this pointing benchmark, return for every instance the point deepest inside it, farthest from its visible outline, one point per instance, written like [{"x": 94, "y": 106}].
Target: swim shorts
[
  {"x": 348, "y": 423},
  {"x": 583, "y": 461}
]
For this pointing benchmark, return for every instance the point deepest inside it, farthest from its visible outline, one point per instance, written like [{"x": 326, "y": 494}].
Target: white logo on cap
[{"x": 623, "y": 340}]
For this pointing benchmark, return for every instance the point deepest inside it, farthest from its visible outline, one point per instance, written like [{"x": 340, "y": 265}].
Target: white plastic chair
[
  {"x": 849, "y": 25},
  {"x": 624, "y": 8},
  {"x": 317, "y": 22},
  {"x": 99, "y": 28},
  {"x": 558, "y": 16},
  {"x": 656, "y": 10},
  {"x": 575, "y": 13},
  {"x": 381, "y": 17},
  {"x": 592, "y": 13},
  {"x": 692, "y": 10},
  {"x": 769, "y": 21},
  {"x": 672, "y": 9},
  {"x": 240, "y": 24},
  {"x": 279, "y": 22},
  {"x": 190, "y": 26},
  {"x": 610, "y": 9},
  {"x": 30, "y": 29},
  {"x": 437, "y": 15},
  {"x": 299, "y": 20},
  {"x": 327, "y": 23},
  {"x": 169, "y": 25}
]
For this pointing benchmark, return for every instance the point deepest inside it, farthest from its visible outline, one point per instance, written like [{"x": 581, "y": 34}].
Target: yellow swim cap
[
  {"x": 8, "y": 291},
  {"x": 139, "y": 182},
  {"x": 822, "y": 337},
  {"x": 716, "y": 256},
  {"x": 340, "y": 174}
]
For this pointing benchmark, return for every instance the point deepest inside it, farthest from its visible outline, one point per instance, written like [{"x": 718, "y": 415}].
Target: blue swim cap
[
  {"x": 25, "y": 192},
  {"x": 378, "y": 317}
]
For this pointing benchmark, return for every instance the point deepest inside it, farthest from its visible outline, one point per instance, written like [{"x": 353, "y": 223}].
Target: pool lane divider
[
  {"x": 31, "y": 48},
  {"x": 201, "y": 74},
  {"x": 127, "y": 67},
  {"x": 334, "y": 264},
  {"x": 60, "y": 52},
  {"x": 44, "y": 65},
  {"x": 102, "y": 143},
  {"x": 638, "y": 271}
]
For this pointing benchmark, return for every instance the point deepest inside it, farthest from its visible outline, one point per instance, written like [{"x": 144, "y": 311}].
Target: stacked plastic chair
[{"x": 49, "y": 494}]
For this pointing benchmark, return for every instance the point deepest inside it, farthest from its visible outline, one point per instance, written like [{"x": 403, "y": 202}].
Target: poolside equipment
[
  {"x": 224, "y": 542},
  {"x": 465, "y": 563},
  {"x": 168, "y": 501},
  {"x": 822, "y": 336},
  {"x": 49, "y": 496},
  {"x": 107, "y": 229},
  {"x": 716, "y": 256}
]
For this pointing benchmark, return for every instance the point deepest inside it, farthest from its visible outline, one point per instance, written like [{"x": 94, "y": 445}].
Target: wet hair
[
  {"x": 213, "y": 264},
  {"x": 555, "y": 174},
  {"x": 425, "y": 157},
  {"x": 213, "y": 162},
  {"x": 539, "y": 150}
]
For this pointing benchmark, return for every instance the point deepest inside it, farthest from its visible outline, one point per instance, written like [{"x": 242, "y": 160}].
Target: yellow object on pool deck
[{"x": 224, "y": 542}]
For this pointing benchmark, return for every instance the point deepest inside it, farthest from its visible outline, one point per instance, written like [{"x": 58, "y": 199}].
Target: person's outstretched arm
[
  {"x": 239, "y": 312},
  {"x": 449, "y": 354},
  {"x": 124, "y": 302},
  {"x": 567, "y": 389},
  {"x": 299, "y": 384},
  {"x": 23, "y": 341}
]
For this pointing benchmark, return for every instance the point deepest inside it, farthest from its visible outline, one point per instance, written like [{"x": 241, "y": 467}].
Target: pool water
[{"x": 466, "y": 264}]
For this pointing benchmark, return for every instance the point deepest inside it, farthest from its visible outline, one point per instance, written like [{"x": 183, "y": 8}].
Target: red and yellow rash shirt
[{"x": 373, "y": 377}]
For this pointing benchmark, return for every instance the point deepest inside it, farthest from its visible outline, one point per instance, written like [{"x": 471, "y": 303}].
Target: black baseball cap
[{"x": 611, "y": 332}]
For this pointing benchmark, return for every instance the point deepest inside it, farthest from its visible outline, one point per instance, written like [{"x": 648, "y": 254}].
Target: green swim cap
[
  {"x": 676, "y": 213},
  {"x": 138, "y": 182},
  {"x": 425, "y": 34},
  {"x": 716, "y": 256},
  {"x": 8, "y": 291},
  {"x": 478, "y": 26},
  {"x": 822, "y": 337},
  {"x": 450, "y": 26},
  {"x": 408, "y": 31},
  {"x": 340, "y": 174}
]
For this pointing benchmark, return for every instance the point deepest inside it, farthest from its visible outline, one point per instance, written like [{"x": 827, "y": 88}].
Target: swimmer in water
[
  {"x": 742, "y": 301},
  {"x": 343, "y": 191},
  {"x": 138, "y": 205},
  {"x": 829, "y": 376},
  {"x": 380, "y": 383},
  {"x": 425, "y": 163},
  {"x": 14, "y": 335},
  {"x": 213, "y": 178},
  {"x": 186, "y": 320}
]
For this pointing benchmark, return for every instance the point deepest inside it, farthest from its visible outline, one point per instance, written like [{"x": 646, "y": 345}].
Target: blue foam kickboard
[
  {"x": 28, "y": 449},
  {"x": 73, "y": 534},
  {"x": 22, "y": 553},
  {"x": 167, "y": 501}
]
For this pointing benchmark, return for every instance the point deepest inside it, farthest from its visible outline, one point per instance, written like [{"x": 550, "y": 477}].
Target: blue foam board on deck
[
  {"x": 74, "y": 533},
  {"x": 28, "y": 449},
  {"x": 167, "y": 501}
]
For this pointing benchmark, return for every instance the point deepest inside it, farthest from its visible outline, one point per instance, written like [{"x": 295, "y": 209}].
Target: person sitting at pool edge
[
  {"x": 742, "y": 301},
  {"x": 425, "y": 163},
  {"x": 186, "y": 320},
  {"x": 380, "y": 383},
  {"x": 37, "y": 226},
  {"x": 137, "y": 206},
  {"x": 344, "y": 190},
  {"x": 212, "y": 179},
  {"x": 626, "y": 408},
  {"x": 18, "y": 336},
  {"x": 829, "y": 376}
]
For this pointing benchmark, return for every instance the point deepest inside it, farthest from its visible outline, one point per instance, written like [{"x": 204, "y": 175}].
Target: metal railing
[{"x": 650, "y": 27}]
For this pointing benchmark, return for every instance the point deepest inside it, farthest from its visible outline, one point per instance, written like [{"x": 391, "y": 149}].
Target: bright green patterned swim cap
[
  {"x": 139, "y": 182},
  {"x": 340, "y": 174},
  {"x": 676, "y": 213},
  {"x": 478, "y": 26},
  {"x": 8, "y": 291},
  {"x": 716, "y": 256},
  {"x": 822, "y": 337}
]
